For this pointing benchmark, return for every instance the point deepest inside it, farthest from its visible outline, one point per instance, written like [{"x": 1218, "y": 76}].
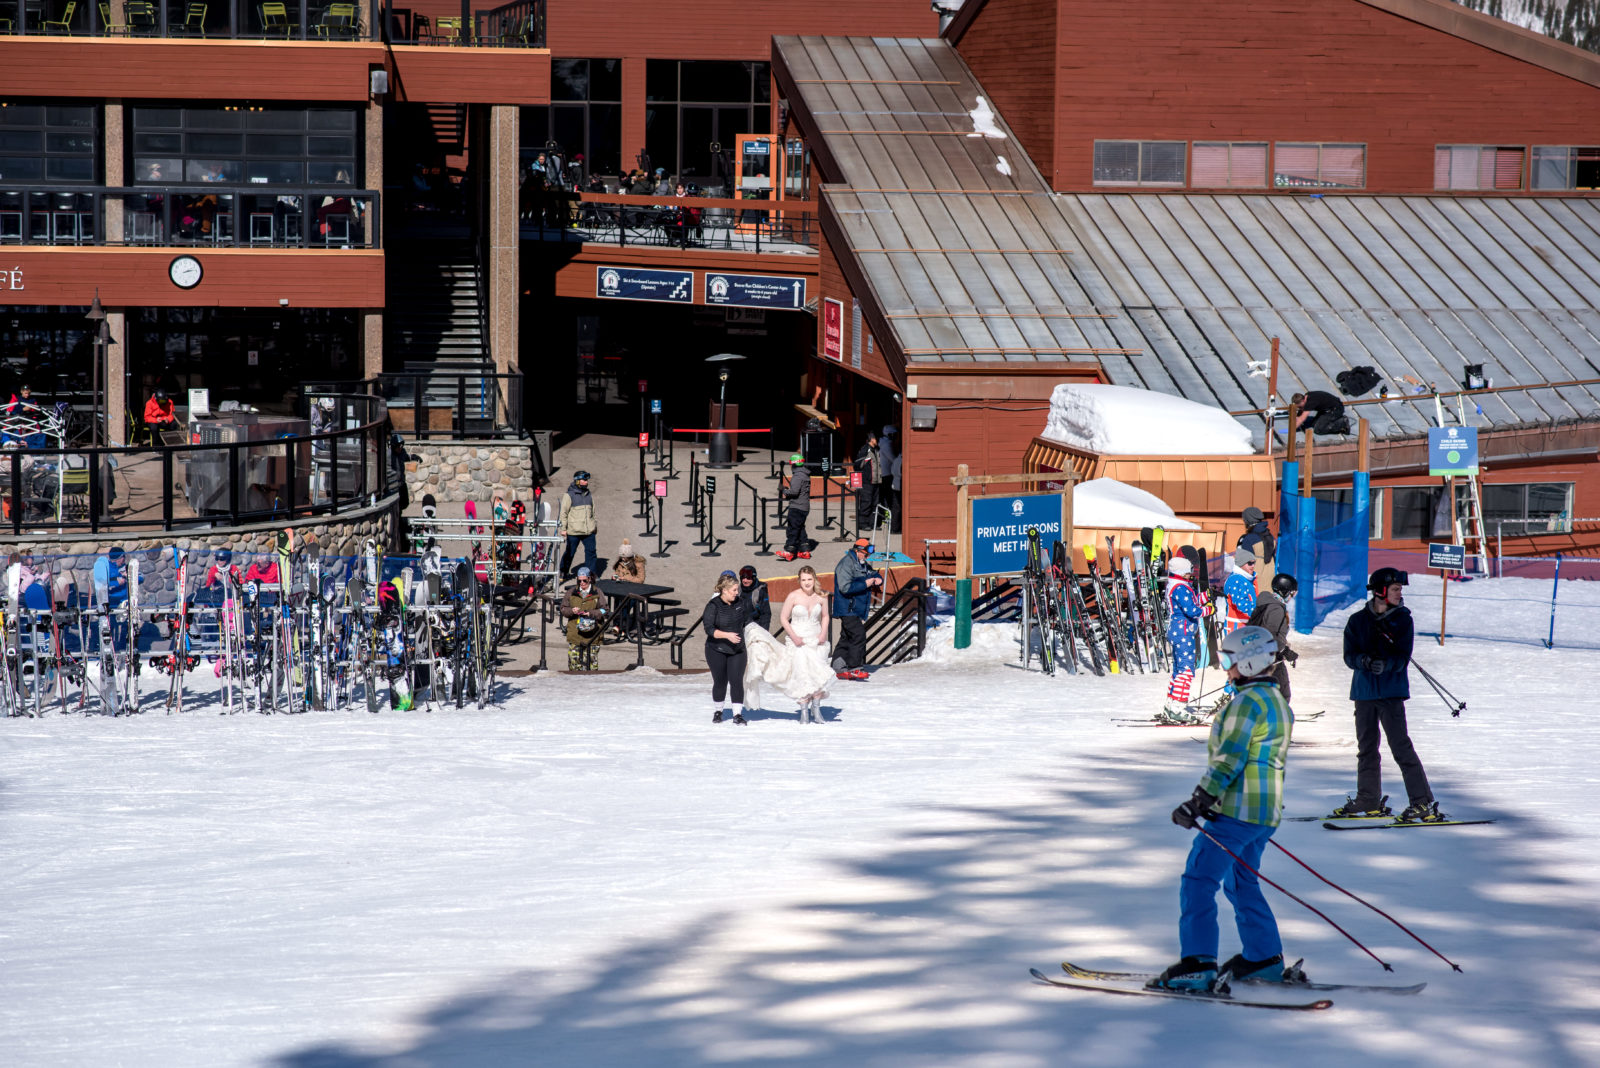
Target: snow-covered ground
[{"x": 594, "y": 874}]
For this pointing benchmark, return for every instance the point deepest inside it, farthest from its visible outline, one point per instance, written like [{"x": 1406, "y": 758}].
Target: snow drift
[
  {"x": 1105, "y": 502},
  {"x": 1120, "y": 420}
]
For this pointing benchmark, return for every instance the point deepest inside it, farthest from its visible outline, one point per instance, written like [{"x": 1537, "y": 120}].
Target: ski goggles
[{"x": 1225, "y": 660}]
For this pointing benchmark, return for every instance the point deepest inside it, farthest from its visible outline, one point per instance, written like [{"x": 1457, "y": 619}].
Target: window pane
[
  {"x": 23, "y": 115},
  {"x": 69, "y": 116},
  {"x": 1414, "y": 509},
  {"x": 324, "y": 119},
  {"x": 272, "y": 144},
  {"x": 157, "y": 171},
  {"x": 762, "y": 82},
  {"x": 70, "y": 169},
  {"x": 214, "y": 144},
  {"x": 272, "y": 172},
  {"x": 716, "y": 81},
  {"x": 605, "y": 139},
  {"x": 605, "y": 79},
  {"x": 21, "y": 141},
  {"x": 1586, "y": 168},
  {"x": 1294, "y": 165},
  {"x": 1210, "y": 163},
  {"x": 1504, "y": 504},
  {"x": 211, "y": 170},
  {"x": 158, "y": 142},
  {"x": 1508, "y": 168},
  {"x": 331, "y": 146},
  {"x": 1116, "y": 161},
  {"x": 661, "y": 136},
  {"x": 1550, "y": 168},
  {"x": 329, "y": 174},
  {"x": 1162, "y": 163},
  {"x": 569, "y": 79},
  {"x": 661, "y": 79},
  {"x": 20, "y": 168},
  {"x": 1344, "y": 166},
  {"x": 277, "y": 119},
  {"x": 144, "y": 118},
  {"x": 698, "y": 130},
  {"x": 213, "y": 119},
  {"x": 1550, "y": 507}
]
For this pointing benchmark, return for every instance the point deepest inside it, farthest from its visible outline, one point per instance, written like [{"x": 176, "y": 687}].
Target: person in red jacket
[{"x": 158, "y": 413}]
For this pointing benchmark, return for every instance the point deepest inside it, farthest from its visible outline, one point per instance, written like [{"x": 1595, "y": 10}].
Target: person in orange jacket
[{"x": 158, "y": 413}]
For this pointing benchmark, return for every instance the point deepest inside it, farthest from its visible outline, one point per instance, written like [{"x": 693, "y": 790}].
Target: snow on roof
[
  {"x": 1105, "y": 502},
  {"x": 1123, "y": 421}
]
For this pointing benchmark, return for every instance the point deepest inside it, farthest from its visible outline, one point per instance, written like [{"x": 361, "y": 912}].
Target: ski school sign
[{"x": 1000, "y": 528}]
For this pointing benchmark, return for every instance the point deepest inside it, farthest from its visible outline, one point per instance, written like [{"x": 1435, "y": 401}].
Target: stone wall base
[{"x": 457, "y": 471}]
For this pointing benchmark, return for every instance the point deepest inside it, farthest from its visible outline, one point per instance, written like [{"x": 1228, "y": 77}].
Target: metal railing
[
  {"x": 203, "y": 215},
  {"x": 898, "y": 630},
  {"x": 442, "y": 405},
  {"x": 274, "y": 20},
  {"x": 661, "y": 220},
  {"x": 205, "y": 484},
  {"x": 515, "y": 25}
]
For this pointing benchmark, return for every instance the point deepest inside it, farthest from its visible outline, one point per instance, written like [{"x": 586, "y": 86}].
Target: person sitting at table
[
  {"x": 630, "y": 565},
  {"x": 158, "y": 413},
  {"x": 23, "y": 397}
]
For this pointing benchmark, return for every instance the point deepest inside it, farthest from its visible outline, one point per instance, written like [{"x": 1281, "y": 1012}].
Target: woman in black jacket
[{"x": 723, "y": 621}]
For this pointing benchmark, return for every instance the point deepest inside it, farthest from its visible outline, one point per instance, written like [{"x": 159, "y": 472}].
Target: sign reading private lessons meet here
[
  {"x": 1452, "y": 450},
  {"x": 640, "y": 283},
  {"x": 1000, "y": 530},
  {"x": 755, "y": 291}
]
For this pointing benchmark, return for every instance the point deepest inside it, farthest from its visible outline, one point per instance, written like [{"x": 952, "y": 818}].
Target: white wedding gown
[{"x": 800, "y": 672}]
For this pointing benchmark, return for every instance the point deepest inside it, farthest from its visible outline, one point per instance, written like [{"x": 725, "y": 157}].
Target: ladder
[{"x": 1468, "y": 508}]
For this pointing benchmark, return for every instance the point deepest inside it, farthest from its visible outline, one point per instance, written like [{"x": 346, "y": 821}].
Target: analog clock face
[{"x": 185, "y": 272}]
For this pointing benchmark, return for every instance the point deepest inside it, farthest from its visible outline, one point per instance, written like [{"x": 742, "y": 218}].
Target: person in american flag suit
[
  {"x": 1184, "y": 613},
  {"x": 1241, "y": 798}
]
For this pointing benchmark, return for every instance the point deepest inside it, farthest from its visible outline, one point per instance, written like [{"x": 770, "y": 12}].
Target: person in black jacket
[
  {"x": 1322, "y": 412},
  {"x": 1377, "y": 649},
  {"x": 757, "y": 601},
  {"x": 1257, "y": 537},
  {"x": 797, "y": 500},
  {"x": 1272, "y": 614},
  {"x": 723, "y": 621},
  {"x": 867, "y": 463}
]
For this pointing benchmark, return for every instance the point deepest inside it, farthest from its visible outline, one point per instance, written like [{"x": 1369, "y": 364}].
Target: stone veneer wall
[
  {"x": 457, "y": 471},
  {"x": 341, "y": 535}
]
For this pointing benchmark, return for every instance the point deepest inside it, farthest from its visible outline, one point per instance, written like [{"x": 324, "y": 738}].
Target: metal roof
[{"x": 1179, "y": 292}]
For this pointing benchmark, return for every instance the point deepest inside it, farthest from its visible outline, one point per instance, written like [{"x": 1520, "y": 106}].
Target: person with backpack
[
  {"x": 1257, "y": 537},
  {"x": 577, "y": 523},
  {"x": 1272, "y": 615}
]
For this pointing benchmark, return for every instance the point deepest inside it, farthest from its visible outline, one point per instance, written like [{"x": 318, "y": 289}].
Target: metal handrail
[
  {"x": 660, "y": 219},
  {"x": 898, "y": 630},
  {"x": 507, "y": 396}
]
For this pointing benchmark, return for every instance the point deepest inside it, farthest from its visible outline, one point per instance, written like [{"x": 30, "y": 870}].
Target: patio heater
[
  {"x": 102, "y": 339},
  {"x": 722, "y": 452}
]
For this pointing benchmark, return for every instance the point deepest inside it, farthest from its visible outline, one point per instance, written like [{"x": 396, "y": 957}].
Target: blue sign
[
  {"x": 1000, "y": 528},
  {"x": 641, "y": 283},
  {"x": 755, "y": 291},
  {"x": 655, "y": 407},
  {"x": 1443, "y": 557},
  {"x": 1452, "y": 450}
]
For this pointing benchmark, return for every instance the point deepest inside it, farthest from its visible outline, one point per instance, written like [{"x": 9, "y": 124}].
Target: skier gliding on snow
[{"x": 1241, "y": 798}]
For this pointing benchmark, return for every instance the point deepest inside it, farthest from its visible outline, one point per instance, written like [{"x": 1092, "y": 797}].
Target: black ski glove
[
  {"x": 1187, "y": 815},
  {"x": 1291, "y": 656},
  {"x": 1374, "y": 664}
]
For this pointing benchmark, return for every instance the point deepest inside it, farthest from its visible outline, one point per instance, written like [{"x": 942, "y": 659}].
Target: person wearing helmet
[
  {"x": 1241, "y": 798},
  {"x": 158, "y": 412},
  {"x": 1272, "y": 614},
  {"x": 853, "y": 583},
  {"x": 758, "y": 602},
  {"x": 796, "y": 493},
  {"x": 1378, "y": 638},
  {"x": 585, "y": 623},
  {"x": 1184, "y": 613},
  {"x": 577, "y": 523}
]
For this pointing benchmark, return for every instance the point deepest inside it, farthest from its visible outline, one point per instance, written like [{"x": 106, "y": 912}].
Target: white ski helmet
[{"x": 1251, "y": 649}]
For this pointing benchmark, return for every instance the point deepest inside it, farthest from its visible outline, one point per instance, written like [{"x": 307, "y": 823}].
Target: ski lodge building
[{"x": 894, "y": 223}]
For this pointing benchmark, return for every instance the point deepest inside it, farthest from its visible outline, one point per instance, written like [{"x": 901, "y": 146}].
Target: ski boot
[
  {"x": 784, "y": 555},
  {"x": 716, "y": 716},
  {"x": 1178, "y": 715},
  {"x": 1424, "y": 813},
  {"x": 739, "y": 719},
  {"x": 1352, "y": 810},
  {"x": 1193, "y": 974},
  {"x": 1271, "y": 970}
]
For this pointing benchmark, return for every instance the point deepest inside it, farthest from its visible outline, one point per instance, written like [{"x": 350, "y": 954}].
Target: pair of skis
[{"x": 1106, "y": 982}]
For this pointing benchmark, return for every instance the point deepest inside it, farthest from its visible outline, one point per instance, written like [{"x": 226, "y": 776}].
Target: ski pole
[
  {"x": 1455, "y": 705},
  {"x": 1369, "y": 905},
  {"x": 1275, "y": 886}
]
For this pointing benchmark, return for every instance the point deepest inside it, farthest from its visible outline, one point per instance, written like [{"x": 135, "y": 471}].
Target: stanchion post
[
  {"x": 735, "y": 510},
  {"x": 766, "y": 546},
  {"x": 672, "y": 457},
  {"x": 661, "y": 527},
  {"x": 710, "y": 539}
]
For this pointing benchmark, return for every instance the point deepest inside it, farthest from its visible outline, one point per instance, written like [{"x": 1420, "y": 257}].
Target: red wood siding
[
  {"x": 832, "y": 283},
  {"x": 459, "y": 75},
  {"x": 646, "y": 28},
  {"x": 1275, "y": 70},
  {"x": 234, "y": 278},
  {"x": 1010, "y": 46}
]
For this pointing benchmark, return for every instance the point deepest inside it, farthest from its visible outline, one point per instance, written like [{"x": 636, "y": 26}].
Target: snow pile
[
  {"x": 990, "y": 642},
  {"x": 1120, "y": 421},
  {"x": 1105, "y": 502},
  {"x": 983, "y": 121}
]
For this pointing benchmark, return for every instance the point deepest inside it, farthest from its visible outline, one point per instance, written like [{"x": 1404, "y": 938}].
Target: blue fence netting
[{"x": 1324, "y": 544}]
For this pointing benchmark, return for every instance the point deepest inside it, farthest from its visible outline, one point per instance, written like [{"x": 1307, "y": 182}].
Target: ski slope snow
[{"x": 594, "y": 874}]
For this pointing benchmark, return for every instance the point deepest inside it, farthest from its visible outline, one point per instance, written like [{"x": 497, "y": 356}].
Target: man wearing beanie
[
  {"x": 797, "y": 497},
  {"x": 1257, "y": 537}
]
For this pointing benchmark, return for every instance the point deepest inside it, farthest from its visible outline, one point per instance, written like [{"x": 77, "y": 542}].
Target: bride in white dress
[{"x": 800, "y": 669}]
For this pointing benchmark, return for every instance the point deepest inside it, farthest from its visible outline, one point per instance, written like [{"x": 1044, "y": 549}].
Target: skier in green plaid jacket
[{"x": 1241, "y": 798}]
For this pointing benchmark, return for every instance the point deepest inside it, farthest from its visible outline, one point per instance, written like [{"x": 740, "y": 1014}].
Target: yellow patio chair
[
  {"x": 194, "y": 20},
  {"x": 64, "y": 23},
  {"x": 274, "y": 20},
  {"x": 338, "y": 20},
  {"x": 448, "y": 29},
  {"x": 111, "y": 27}
]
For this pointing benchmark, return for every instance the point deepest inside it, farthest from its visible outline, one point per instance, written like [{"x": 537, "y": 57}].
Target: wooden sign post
[{"x": 963, "y": 480}]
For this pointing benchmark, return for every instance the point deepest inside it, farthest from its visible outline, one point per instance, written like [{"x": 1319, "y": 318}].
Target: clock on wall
[{"x": 185, "y": 272}]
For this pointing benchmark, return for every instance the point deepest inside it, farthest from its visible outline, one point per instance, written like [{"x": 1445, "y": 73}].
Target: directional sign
[
  {"x": 640, "y": 283},
  {"x": 1000, "y": 530},
  {"x": 1443, "y": 557},
  {"x": 661, "y": 487},
  {"x": 755, "y": 291},
  {"x": 711, "y": 484},
  {"x": 1452, "y": 450},
  {"x": 655, "y": 407}
]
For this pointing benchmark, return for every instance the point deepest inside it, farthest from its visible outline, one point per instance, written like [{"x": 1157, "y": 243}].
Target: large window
[
  {"x": 1478, "y": 167},
  {"x": 1139, "y": 162},
  {"x": 583, "y": 119},
  {"x": 244, "y": 145},
  {"x": 1229, "y": 165},
  {"x": 49, "y": 143},
  {"x": 693, "y": 105},
  {"x": 1319, "y": 166},
  {"x": 1421, "y": 512},
  {"x": 1566, "y": 167}
]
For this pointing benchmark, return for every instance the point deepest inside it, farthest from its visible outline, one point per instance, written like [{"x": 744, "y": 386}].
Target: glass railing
[
  {"x": 225, "y": 216},
  {"x": 515, "y": 25}
]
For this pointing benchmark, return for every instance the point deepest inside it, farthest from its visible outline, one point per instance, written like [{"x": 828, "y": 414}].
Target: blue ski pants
[{"x": 1210, "y": 867}]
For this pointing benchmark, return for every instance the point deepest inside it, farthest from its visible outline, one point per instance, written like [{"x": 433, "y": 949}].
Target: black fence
[
  {"x": 199, "y": 215},
  {"x": 516, "y": 25},
  {"x": 227, "y": 478},
  {"x": 442, "y": 405},
  {"x": 665, "y": 220}
]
